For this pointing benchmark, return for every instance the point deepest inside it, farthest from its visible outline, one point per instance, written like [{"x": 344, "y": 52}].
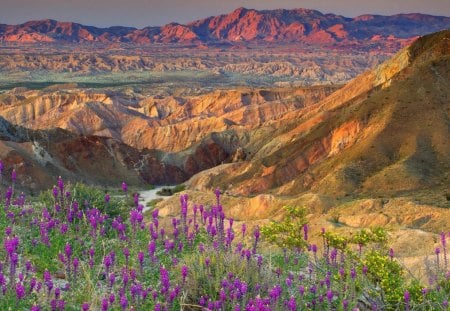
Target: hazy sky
[{"x": 140, "y": 13}]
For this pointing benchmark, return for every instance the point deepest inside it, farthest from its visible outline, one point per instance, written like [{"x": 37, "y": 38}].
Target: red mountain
[{"x": 248, "y": 25}]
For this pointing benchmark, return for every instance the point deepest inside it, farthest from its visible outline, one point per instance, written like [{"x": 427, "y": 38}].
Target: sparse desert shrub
[
  {"x": 166, "y": 191},
  {"x": 291, "y": 232}
]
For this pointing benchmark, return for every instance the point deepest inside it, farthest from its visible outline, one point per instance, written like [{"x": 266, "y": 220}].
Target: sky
[{"x": 141, "y": 13}]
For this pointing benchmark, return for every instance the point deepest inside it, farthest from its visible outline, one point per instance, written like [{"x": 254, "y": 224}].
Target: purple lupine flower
[
  {"x": 112, "y": 279},
  {"x": 164, "y": 278},
  {"x": 141, "y": 260},
  {"x": 345, "y": 304},
  {"x": 305, "y": 232},
  {"x": 60, "y": 184},
  {"x": 136, "y": 199},
  {"x": 75, "y": 264},
  {"x": 217, "y": 193},
  {"x": 391, "y": 253},
  {"x": 124, "y": 187},
  {"x": 107, "y": 261},
  {"x": 68, "y": 251},
  {"x": 201, "y": 247},
  {"x": 85, "y": 306},
  {"x": 28, "y": 266},
  {"x": 424, "y": 291},
  {"x": 63, "y": 229},
  {"x": 292, "y": 304},
  {"x": 133, "y": 275},
  {"x": 32, "y": 284},
  {"x": 48, "y": 281},
  {"x": 275, "y": 293},
  {"x": 124, "y": 302},
  {"x": 256, "y": 234},
  {"x": 125, "y": 277},
  {"x": 155, "y": 213},
  {"x": 105, "y": 304},
  {"x": 243, "y": 229},
  {"x": 20, "y": 291},
  {"x": 437, "y": 251},
  {"x": 55, "y": 192},
  {"x": 353, "y": 273},
  {"x": 10, "y": 245},
  {"x": 407, "y": 300},
  {"x": 107, "y": 198},
  {"x": 329, "y": 296},
  {"x": 57, "y": 293},
  {"x": 151, "y": 248},
  {"x": 111, "y": 298},
  {"x": 184, "y": 272}
]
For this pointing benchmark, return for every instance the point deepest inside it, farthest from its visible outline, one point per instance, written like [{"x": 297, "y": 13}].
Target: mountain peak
[
  {"x": 300, "y": 26},
  {"x": 430, "y": 46}
]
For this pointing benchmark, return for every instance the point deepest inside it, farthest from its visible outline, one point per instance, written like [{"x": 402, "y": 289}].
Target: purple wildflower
[
  {"x": 407, "y": 300},
  {"x": 20, "y": 291},
  {"x": 68, "y": 251},
  {"x": 329, "y": 296},
  {"x": 105, "y": 304},
  {"x": 184, "y": 272},
  {"x": 124, "y": 302},
  {"x": 165, "y": 280}
]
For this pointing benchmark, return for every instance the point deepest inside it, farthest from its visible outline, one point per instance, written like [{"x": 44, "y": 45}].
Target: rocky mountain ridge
[{"x": 244, "y": 25}]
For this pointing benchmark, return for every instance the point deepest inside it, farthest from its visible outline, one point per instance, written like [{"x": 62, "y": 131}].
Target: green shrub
[{"x": 287, "y": 233}]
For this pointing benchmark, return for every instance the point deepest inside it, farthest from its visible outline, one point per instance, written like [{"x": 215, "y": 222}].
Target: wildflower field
[{"x": 77, "y": 248}]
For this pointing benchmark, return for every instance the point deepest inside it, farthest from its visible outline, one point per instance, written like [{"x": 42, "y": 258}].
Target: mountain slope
[
  {"x": 248, "y": 25},
  {"x": 385, "y": 132}
]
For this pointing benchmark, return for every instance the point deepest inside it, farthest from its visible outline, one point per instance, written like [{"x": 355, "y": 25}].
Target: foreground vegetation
[{"x": 77, "y": 248}]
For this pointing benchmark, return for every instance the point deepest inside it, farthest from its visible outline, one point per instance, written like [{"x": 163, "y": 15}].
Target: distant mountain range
[{"x": 242, "y": 25}]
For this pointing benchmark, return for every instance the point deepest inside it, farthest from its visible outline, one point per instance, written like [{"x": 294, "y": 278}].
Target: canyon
[{"x": 340, "y": 115}]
